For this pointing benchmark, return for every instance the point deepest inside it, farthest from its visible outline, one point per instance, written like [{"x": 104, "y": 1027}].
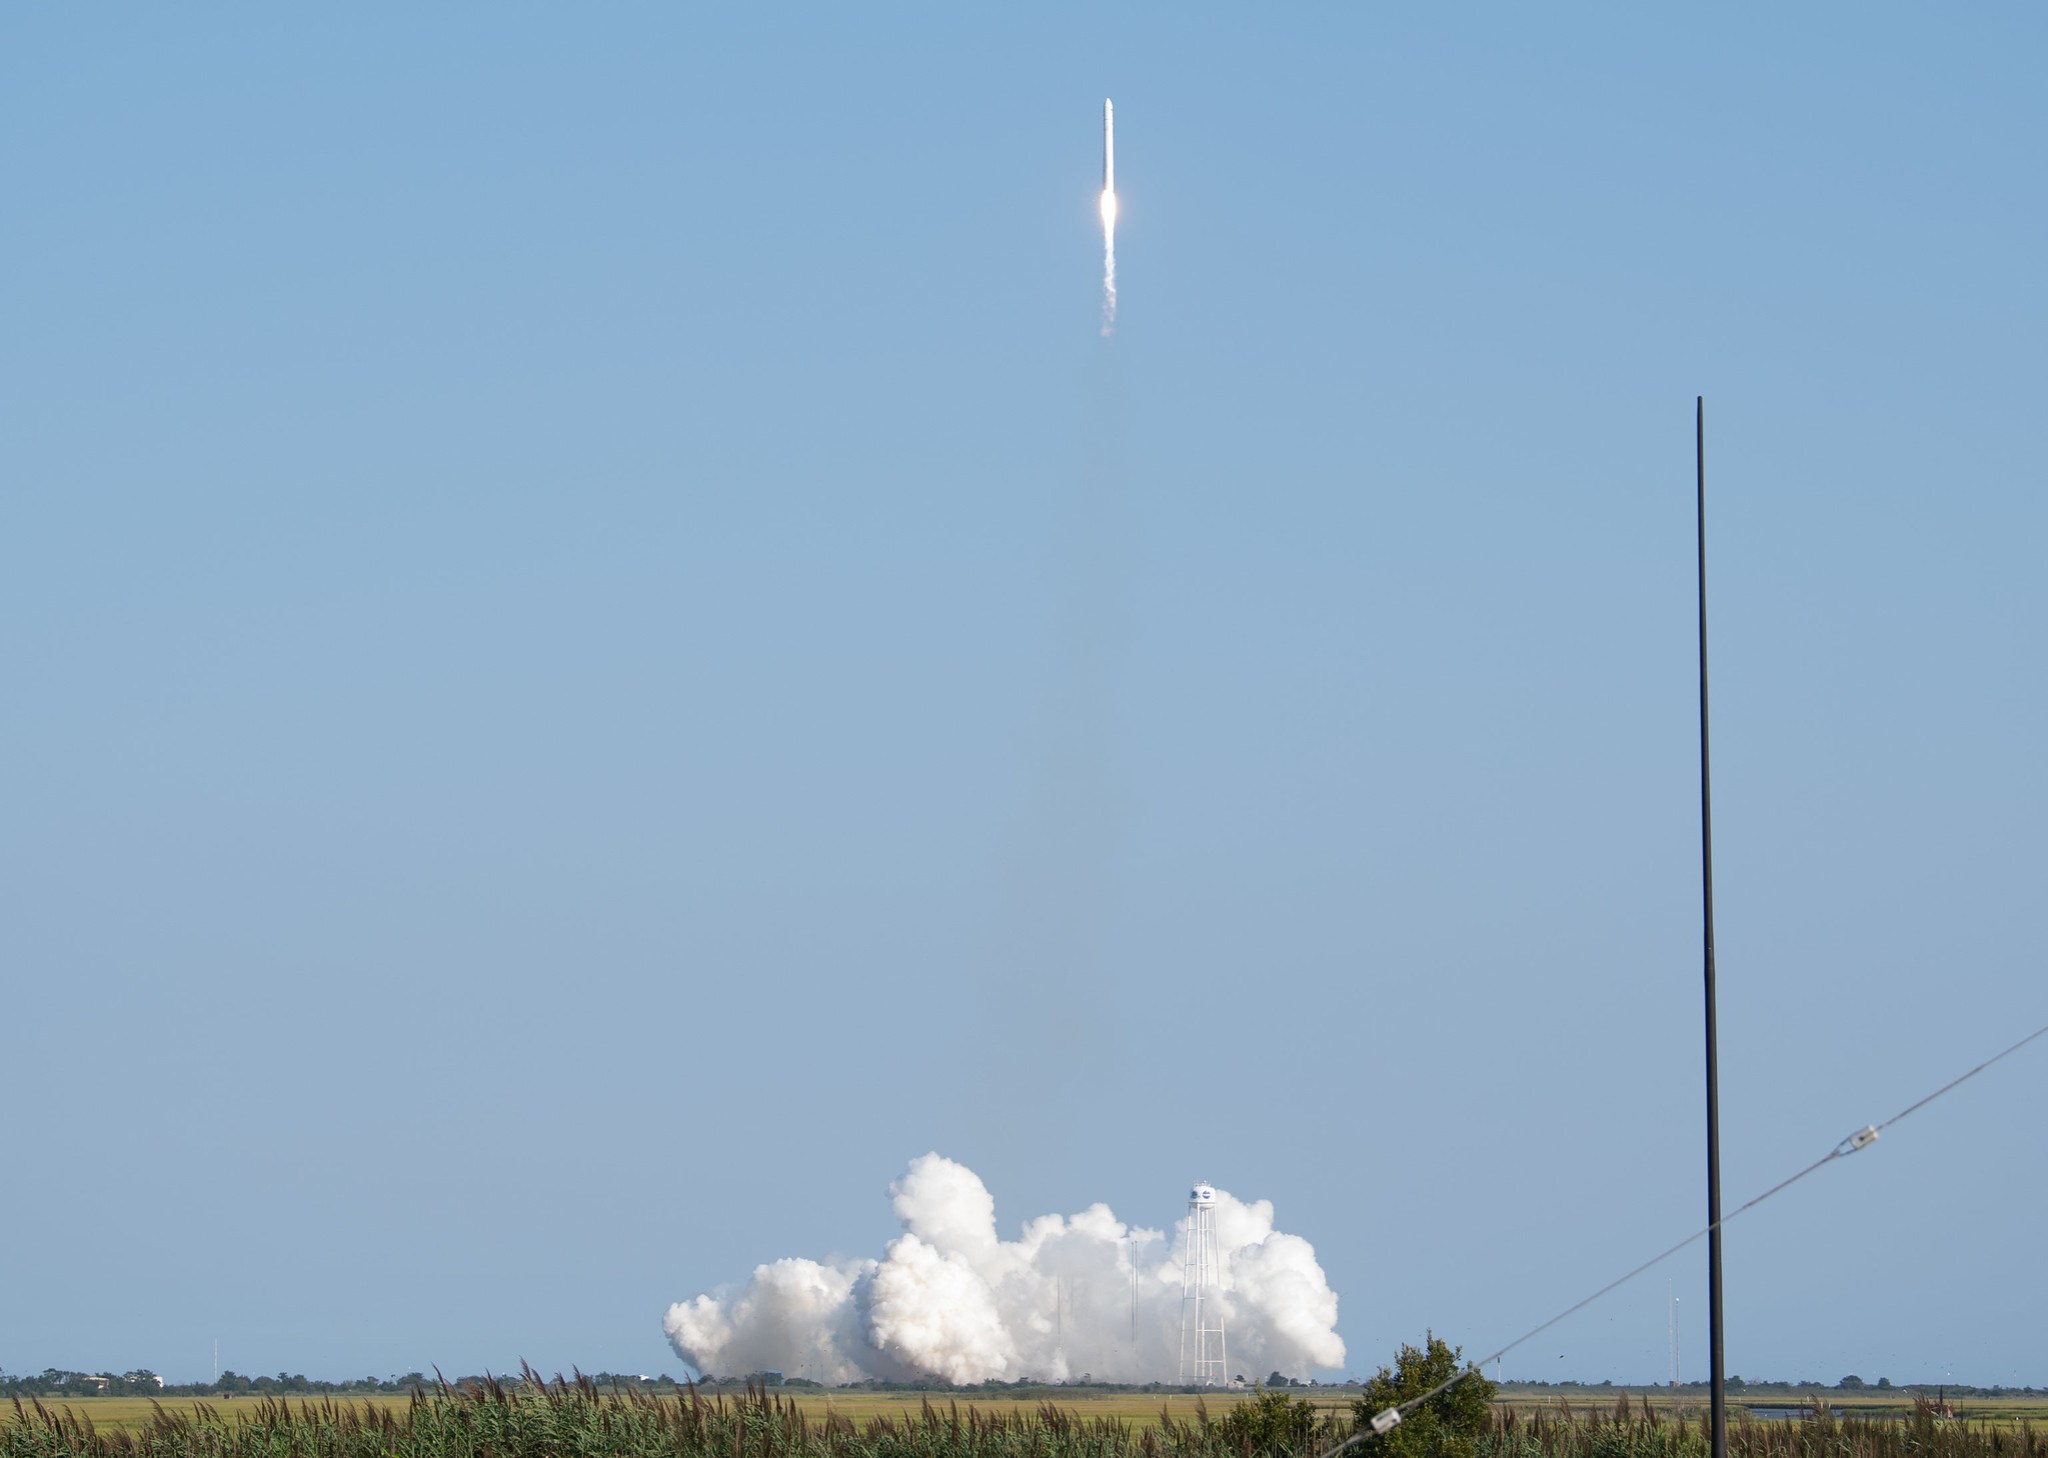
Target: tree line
[{"x": 57, "y": 1382}]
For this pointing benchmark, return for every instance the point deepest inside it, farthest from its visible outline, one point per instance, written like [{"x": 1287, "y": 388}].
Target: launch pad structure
[{"x": 1204, "y": 1361}]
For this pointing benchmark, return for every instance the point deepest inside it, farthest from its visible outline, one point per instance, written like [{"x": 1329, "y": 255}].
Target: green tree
[{"x": 1441, "y": 1426}]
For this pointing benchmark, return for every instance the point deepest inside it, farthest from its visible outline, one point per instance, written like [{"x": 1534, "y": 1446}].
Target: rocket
[
  {"x": 1108, "y": 205},
  {"x": 1108, "y": 149}
]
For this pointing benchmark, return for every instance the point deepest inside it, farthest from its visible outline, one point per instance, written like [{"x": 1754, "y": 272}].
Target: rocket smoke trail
[{"x": 1108, "y": 219}]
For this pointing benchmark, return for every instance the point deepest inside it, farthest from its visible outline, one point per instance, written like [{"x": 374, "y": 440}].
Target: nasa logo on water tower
[{"x": 1202, "y": 1195}]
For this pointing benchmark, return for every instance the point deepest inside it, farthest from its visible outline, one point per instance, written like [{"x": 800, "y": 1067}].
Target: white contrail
[{"x": 1108, "y": 219}]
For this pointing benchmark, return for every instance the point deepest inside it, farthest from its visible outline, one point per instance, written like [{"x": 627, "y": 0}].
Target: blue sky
[{"x": 600, "y": 654}]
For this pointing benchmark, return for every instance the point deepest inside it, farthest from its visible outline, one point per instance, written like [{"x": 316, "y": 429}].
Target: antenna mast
[
  {"x": 1132, "y": 1239},
  {"x": 1718, "y": 1402},
  {"x": 1671, "y": 1329}
]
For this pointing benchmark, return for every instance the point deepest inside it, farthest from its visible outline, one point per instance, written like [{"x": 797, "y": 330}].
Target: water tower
[{"x": 1203, "y": 1362}]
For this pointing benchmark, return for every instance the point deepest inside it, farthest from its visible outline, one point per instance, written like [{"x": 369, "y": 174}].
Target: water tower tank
[{"x": 1202, "y": 1194}]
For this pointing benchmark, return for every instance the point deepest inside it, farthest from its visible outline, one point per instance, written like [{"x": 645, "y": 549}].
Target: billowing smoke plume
[{"x": 949, "y": 1300}]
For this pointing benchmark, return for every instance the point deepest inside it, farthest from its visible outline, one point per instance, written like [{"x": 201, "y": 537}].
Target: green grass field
[
  {"x": 1145, "y": 1409},
  {"x": 129, "y": 1413},
  {"x": 1871, "y": 1402}
]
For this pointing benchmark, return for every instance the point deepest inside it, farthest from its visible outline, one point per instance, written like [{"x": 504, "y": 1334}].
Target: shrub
[
  {"x": 1445, "y": 1425},
  {"x": 1272, "y": 1422}
]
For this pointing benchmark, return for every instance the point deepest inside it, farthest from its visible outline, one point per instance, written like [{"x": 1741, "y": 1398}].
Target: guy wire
[{"x": 1385, "y": 1420}]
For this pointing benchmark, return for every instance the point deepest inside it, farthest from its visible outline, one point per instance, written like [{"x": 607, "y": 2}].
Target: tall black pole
[{"x": 1719, "y": 1369}]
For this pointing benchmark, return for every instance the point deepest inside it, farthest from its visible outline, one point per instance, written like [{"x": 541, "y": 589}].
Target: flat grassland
[
  {"x": 1870, "y": 1402},
  {"x": 1144, "y": 1409},
  {"x": 1140, "y": 1409}
]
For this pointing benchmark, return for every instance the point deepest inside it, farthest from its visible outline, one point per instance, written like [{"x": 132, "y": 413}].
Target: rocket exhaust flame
[{"x": 1108, "y": 219}]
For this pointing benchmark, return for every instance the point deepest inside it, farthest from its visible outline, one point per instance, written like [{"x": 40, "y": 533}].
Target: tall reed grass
[
  {"x": 1636, "y": 1430},
  {"x": 574, "y": 1419}
]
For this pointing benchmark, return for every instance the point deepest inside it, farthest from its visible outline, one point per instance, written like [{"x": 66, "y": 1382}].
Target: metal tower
[
  {"x": 1671, "y": 1326},
  {"x": 1203, "y": 1362}
]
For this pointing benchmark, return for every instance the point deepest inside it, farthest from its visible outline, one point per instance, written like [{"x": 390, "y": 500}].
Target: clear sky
[{"x": 598, "y": 654}]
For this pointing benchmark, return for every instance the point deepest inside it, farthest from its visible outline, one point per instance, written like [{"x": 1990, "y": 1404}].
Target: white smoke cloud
[{"x": 1074, "y": 1295}]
